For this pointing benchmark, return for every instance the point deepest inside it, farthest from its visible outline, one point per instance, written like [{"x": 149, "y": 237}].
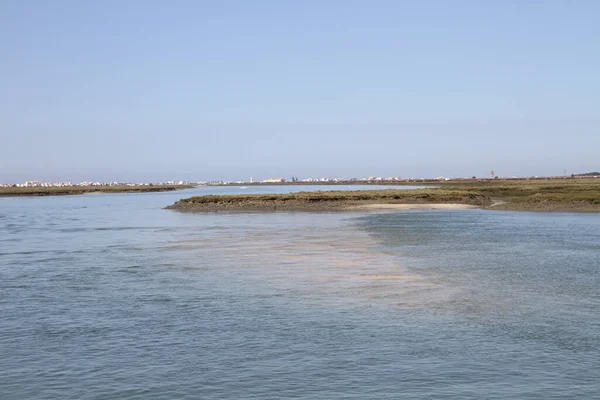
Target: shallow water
[{"x": 108, "y": 296}]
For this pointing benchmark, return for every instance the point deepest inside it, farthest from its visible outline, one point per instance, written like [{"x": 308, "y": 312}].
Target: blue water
[{"x": 109, "y": 296}]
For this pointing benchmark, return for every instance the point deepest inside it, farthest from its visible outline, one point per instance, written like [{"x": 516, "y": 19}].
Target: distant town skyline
[
  {"x": 315, "y": 179},
  {"x": 142, "y": 91}
]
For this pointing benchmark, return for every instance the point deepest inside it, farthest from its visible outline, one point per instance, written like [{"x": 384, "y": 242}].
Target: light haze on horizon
[{"x": 203, "y": 90}]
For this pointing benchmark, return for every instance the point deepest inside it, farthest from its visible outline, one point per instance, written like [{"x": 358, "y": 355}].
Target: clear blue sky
[{"x": 149, "y": 90}]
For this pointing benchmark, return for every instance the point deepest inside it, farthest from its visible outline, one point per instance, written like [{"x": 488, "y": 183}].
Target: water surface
[{"x": 109, "y": 296}]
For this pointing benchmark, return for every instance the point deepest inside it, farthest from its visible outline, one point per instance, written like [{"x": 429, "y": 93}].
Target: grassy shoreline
[
  {"x": 581, "y": 195},
  {"x": 539, "y": 195},
  {"x": 77, "y": 190},
  {"x": 327, "y": 200}
]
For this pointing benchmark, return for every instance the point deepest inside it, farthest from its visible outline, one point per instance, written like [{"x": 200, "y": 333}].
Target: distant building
[{"x": 274, "y": 180}]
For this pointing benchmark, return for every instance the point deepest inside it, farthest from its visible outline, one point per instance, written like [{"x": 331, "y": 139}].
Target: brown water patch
[
  {"x": 337, "y": 265},
  {"x": 384, "y": 277}
]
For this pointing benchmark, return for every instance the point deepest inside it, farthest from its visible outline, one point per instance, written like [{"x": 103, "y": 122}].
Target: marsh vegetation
[
  {"x": 73, "y": 190},
  {"x": 509, "y": 194}
]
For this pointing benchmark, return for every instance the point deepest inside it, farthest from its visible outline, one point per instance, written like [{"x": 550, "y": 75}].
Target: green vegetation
[
  {"x": 328, "y": 200},
  {"x": 506, "y": 194},
  {"x": 72, "y": 190},
  {"x": 538, "y": 194}
]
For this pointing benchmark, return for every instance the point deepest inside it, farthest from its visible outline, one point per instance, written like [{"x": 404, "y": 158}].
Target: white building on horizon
[{"x": 274, "y": 180}]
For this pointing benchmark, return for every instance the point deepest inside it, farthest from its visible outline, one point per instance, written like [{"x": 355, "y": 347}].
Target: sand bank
[{"x": 452, "y": 206}]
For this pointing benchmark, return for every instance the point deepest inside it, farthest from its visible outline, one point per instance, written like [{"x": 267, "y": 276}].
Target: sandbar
[{"x": 439, "y": 206}]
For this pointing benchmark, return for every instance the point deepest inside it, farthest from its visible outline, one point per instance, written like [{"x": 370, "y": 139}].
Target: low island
[
  {"x": 74, "y": 190},
  {"x": 526, "y": 195},
  {"x": 329, "y": 200}
]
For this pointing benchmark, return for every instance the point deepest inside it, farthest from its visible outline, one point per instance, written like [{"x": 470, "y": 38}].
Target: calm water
[{"x": 112, "y": 297}]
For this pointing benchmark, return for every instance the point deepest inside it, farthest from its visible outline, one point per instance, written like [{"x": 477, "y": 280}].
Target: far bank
[
  {"x": 579, "y": 195},
  {"x": 75, "y": 190}
]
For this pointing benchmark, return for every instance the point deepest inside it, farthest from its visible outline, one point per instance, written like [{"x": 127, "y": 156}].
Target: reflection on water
[{"x": 112, "y": 297}]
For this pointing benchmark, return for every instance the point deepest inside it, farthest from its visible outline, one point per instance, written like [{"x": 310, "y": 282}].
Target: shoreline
[
  {"x": 79, "y": 190},
  {"x": 547, "y": 207},
  {"x": 564, "y": 195},
  {"x": 372, "y": 207},
  {"x": 433, "y": 206},
  {"x": 333, "y": 201}
]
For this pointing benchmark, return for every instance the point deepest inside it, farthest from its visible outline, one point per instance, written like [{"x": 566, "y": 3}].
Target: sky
[{"x": 210, "y": 90}]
